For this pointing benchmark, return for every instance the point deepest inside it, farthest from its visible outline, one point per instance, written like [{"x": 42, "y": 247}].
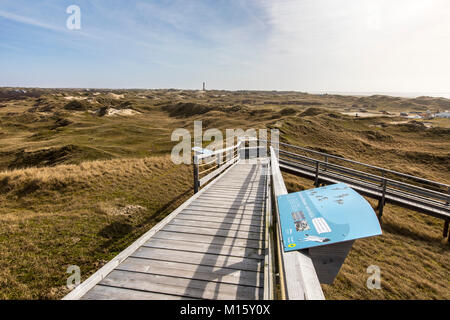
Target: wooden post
[
  {"x": 316, "y": 181},
  {"x": 382, "y": 200},
  {"x": 446, "y": 221},
  {"x": 448, "y": 198},
  {"x": 195, "y": 165},
  {"x": 219, "y": 159},
  {"x": 326, "y": 162},
  {"x": 446, "y": 229}
]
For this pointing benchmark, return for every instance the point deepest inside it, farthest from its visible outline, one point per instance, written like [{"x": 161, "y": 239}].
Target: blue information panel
[{"x": 326, "y": 215}]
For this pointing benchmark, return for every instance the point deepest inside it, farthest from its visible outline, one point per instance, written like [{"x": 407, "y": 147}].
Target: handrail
[
  {"x": 201, "y": 156},
  {"x": 376, "y": 178},
  {"x": 298, "y": 276},
  {"x": 363, "y": 164},
  {"x": 215, "y": 169}
]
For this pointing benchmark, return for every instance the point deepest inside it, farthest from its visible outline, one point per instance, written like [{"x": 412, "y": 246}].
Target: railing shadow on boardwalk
[
  {"x": 218, "y": 240},
  {"x": 116, "y": 230}
]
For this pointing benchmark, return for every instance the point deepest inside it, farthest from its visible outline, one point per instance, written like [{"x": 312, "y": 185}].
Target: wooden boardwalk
[{"x": 214, "y": 248}]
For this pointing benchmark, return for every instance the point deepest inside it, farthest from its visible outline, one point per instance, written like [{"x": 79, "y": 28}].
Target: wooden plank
[
  {"x": 205, "y": 259},
  {"x": 218, "y": 249},
  {"x": 239, "y": 187},
  {"x": 227, "y": 211},
  {"x": 225, "y": 196},
  {"x": 237, "y": 191},
  {"x": 241, "y": 183},
  {"x": 198, "y": 216},
  {"x": 192, "y": 271},
  {"x": 217, "y": 225},
  {"x": 180, "y": 286},
  {"x": 237, "y": 216},
  {"x": 220, "y": 197},
  {"x": 213, "y": 232},
  {"x": 233, "y": 193},
  {"x": 216, "y": 172},
  {"x": 230, "y": 205},
  {"x": 102, "y": 292},
  {"x": 245, "y": 243}
]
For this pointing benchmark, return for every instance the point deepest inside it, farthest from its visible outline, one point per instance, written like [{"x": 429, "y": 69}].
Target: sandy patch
[
  {"x": 75, "y": 98},
  {"x": 116, "y": 96},
  {"x": 117, "y": 112}
]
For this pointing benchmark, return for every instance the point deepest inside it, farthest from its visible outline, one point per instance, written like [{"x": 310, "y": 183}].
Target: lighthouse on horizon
[{"x": 204, "y": 86}]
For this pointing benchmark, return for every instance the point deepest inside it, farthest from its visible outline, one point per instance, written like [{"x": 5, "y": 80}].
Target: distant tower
[{"x": 204, "y": 86}]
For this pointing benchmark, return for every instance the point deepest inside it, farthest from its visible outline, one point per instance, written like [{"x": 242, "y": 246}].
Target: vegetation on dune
[
  {"x": 82, "y": 215},
  {"x": 78, "y": 185}
]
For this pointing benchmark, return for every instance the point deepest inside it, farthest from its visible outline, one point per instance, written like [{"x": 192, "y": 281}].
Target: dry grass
[{"x": 82, "y": 215}]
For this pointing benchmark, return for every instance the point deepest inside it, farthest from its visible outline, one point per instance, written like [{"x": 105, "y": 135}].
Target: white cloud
[
  {"x": 358, "y": 45},
  {"x": 28, "y": 21}
]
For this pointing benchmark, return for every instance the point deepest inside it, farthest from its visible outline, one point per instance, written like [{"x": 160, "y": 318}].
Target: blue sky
[{"x": 304, "y": 45}]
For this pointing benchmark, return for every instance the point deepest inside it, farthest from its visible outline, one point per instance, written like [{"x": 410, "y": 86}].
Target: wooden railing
[
  {"x": 298, "y": 277},
  {"x": 208, "y": 166}
]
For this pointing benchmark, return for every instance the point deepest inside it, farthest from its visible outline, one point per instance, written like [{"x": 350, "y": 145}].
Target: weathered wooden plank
[
  {"x": 237, "y": 188},
  {"x": 235, "y": 194},
  {"x": 192, "y": 271},
  {"x": 245, "y": 243},
  {"x": 245, "y": 179},
  {"x": 230, "y": 203},
  {"x": 179, "y": 286},
  {"x": 219, "y": 219},
  {"x": 225, "y": 195},
  {"x": 228, "y": 211},
  {"x": 102, "y": 292},
  {"x": 234, "y": 181},
  {"x": 236, "y": 216},
  {"x": 205, "y": 259},
  {"x": 214, "y": 232},
  {"x": 217, "y": 225},
  {"x": 227, "y": 205},
  {"x": 205, "y": 248}
]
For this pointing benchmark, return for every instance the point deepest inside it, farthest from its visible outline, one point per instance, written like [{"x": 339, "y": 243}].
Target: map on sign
[{"x": 326, "y": 215}]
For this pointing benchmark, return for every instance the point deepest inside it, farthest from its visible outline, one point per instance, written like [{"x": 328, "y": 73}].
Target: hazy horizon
[
  {"x": 334, "y": 46},
  {"x": 445, "y": 95}
]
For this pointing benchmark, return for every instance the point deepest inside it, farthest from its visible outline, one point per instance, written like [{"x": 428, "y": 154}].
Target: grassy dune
[
  {"x": 77, "y": 186},
  {"x": 82, "y": 215}
]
